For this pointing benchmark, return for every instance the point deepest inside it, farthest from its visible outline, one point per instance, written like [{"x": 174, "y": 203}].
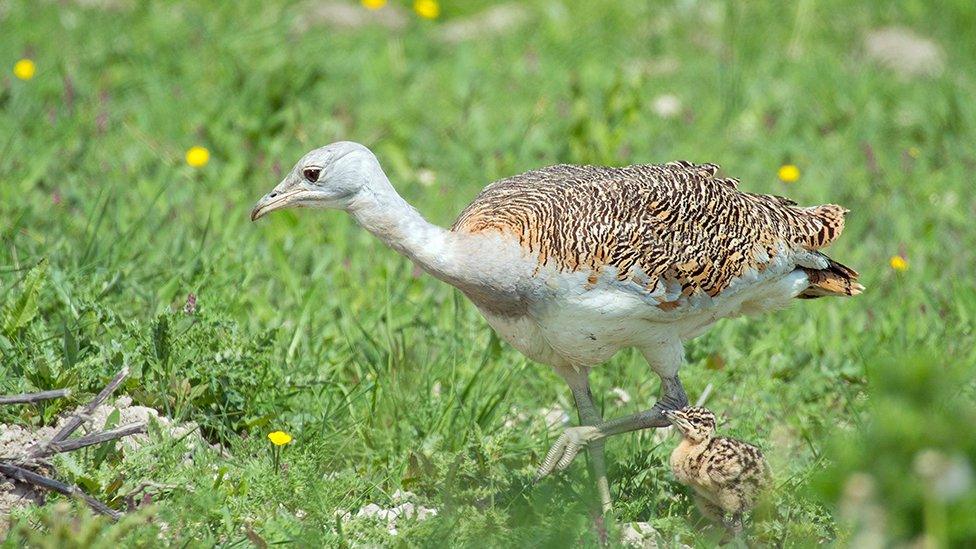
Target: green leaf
[
  {"x": 112, "y": 421},
  {"x": 23, "y": 309},
  {"x": 161, "y": 340},
  {"x": 198, "y": 391},
  {"x": 70, "y": 345},
  {"x": 69, "y": 463}
]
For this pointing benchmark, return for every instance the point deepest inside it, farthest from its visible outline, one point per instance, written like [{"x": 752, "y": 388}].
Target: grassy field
[{"x": 389, "y": 380}]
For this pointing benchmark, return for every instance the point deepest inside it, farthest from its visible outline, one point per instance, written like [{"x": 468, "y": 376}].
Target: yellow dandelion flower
[
  {"x": 913, "y": 152},
  {"x": 373, "y": 4},
  {"x": 279, "y": 438},
  {"x": 197, "y": 157},
  {"x": 25, "y": 69},
  {"x": 788, "y": 173},
  {"x": 428, "y": 9},
  {"x": 898, "y": 263}
]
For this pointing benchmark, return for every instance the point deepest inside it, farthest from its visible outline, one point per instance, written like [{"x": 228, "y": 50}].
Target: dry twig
[
  {"x": 19, "y": 468},
  {"x": 90, "y": 440},
  {"x": 25, "y": 475},
  {"x": 72, "y": 425},
  {"x": 28, "y": 398}
]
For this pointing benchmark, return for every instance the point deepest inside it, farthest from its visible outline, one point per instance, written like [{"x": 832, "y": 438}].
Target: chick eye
[{"x": 311, "y": 174}]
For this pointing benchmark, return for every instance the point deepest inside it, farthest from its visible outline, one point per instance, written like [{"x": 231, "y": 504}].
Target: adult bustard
[{"x": 570, "y": 264}]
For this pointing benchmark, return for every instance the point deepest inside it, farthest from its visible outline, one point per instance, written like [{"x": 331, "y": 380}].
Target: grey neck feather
[
  {"x": 380, "y": 210},
  {"x": 488, "y": 274}
]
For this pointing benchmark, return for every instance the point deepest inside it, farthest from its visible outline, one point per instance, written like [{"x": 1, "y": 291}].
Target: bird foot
[
  {"x": 733, "y": 529},
  {"x": 568, "y": 444}
]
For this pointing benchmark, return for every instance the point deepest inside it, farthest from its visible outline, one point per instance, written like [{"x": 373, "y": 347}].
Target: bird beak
[{"x": 275, "y": 200}]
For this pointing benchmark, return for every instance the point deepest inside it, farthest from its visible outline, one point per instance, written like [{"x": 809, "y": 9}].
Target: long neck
[{"x": 383, "y": 212}]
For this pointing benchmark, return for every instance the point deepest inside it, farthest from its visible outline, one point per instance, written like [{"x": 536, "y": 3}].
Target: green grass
[{"x": 305, "y": 323}]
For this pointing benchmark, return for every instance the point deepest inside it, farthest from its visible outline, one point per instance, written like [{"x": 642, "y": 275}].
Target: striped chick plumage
[{"x": 727, "y": 475}]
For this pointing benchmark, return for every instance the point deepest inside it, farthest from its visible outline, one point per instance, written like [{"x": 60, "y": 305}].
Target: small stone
[
  {"x": 554, "y": 416},
  {"x": 622, "y": 396},
  {"x": 402, "y": 495},
  {"x": 496, "y": 20},
  {"x": 904, "y": 52},
  {"x": 342, "y": 16},
  {"x": 639, "y": 534},
  {"x": 369, "y": 511},
  {"x": 666, "y": 106},
  {"x": 947, "y": 477},
  {"x": 426, "y": 177}
]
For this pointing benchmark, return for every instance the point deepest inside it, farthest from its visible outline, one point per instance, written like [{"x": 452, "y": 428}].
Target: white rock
[
  {"x": 514, "y": 417},
  {"x": 947, "y": 477},
  {"x": 904, "y": 52},
  {"x": 495, "y": 20},
  {"x": 639, "y": 534},
  {"x": 554, "y": 416},
  {"x": 343, "y": 16},
  {"x": 401, "y": 495},
  {"x": 427, "y": 178},
  {"x": 369, "y": 511},
  {"x": 666, "y": 106},
  {"x": 622, "y": 396},
  {"x": 393, "y": 515}
]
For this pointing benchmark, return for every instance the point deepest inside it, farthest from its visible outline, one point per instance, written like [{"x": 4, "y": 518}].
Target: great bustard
[
  {"x": 727, "y": 475},
  {"x": 570, "y": 264}
]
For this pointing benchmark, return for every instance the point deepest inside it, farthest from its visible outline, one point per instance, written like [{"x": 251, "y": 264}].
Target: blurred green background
[{"x": 389, "y": 380}]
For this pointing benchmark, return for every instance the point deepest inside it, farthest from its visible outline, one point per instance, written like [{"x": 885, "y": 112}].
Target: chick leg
[
  {"x": 709, "y": 510},
  {"x": 734, "y": 526},
  {"x": 589, "y": 416}
]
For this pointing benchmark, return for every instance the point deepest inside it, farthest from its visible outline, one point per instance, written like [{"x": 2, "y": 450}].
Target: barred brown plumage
[{"x": 673, "y": 221}]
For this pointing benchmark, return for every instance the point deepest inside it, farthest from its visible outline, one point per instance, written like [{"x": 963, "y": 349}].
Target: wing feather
[{"x": 677, "y": 221}]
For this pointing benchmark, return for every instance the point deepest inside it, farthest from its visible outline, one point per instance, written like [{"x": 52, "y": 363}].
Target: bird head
[
  {"x": 327, "y": 177},
  {"x": 695, "y": 423}
]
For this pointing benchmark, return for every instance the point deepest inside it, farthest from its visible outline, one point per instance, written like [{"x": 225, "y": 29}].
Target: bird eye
[{"x": 311, "y": 174}]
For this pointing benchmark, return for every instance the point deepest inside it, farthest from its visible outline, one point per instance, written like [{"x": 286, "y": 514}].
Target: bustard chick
[
  {"x": 726, "y": 474},
  {"x": 570, "y": 264}
]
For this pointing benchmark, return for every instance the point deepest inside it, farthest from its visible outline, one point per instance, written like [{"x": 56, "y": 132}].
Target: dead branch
[
  {"x": 71, "y": 445},
  {"x": 24, "y": 475},
  {"x": 143, "y": 490},
  {"x": 28, "y": 398},
  {"x": 77, "y": 419},
  {"x": 16, "y": 468}
]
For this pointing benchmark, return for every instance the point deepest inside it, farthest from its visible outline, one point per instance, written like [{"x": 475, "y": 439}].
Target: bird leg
[
  {"x": 673, "y": 397},
  {"x": 561, "y": 455},
  {"x": 709, "y": 510},
  {"x": 734, "y": 526},
  {"x": 589, "y": 417},
  {"x": 714, "y": 513}
]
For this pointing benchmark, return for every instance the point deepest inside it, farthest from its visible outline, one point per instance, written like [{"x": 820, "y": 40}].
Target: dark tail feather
[{"x": 837, "y": 279}]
